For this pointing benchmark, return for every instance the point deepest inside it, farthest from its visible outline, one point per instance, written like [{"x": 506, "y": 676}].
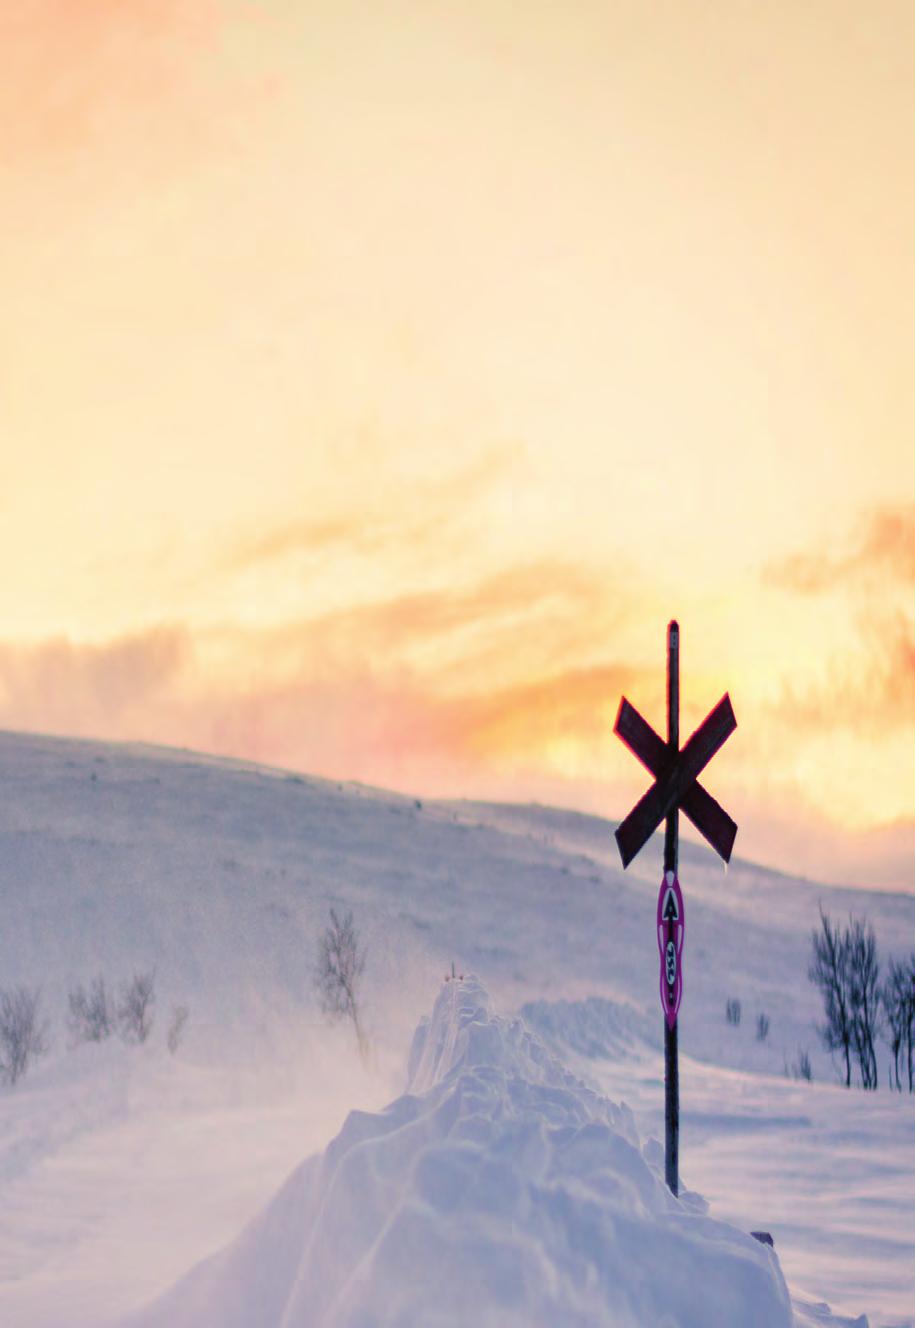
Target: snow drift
[{"x": 498, "y": 1190}]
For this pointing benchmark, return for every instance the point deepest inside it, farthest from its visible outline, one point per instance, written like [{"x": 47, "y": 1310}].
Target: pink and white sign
[{"x": 670, "y": 944}]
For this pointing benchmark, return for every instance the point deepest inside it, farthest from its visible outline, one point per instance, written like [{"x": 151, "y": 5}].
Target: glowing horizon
[{"x": 377, "y": 387}]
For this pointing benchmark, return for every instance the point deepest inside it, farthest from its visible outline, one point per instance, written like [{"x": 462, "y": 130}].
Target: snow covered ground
[
  {"x": 498, "y": 1190},
  {"x": 122, "y": 1167}
]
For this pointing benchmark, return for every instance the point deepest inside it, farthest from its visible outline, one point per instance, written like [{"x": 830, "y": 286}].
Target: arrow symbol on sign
[{"x": 670, "y": 944}]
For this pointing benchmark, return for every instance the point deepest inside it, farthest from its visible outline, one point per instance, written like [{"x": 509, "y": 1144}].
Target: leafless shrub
[
  {"x": 92, "y": 1014},
  {"x": 830, "y": 973},
  {"x": 341, "y": 962},
  {"x": 864, "y": 974},
  {"x": 801, "y": 1068},
  {"x": 898, "y": 998},
  {"x": 176, "y": 1027},
  {"x": 135, "y": 1007},
  {"x": 845, "y": 967},
  {"x": 23, "y": 1033}
]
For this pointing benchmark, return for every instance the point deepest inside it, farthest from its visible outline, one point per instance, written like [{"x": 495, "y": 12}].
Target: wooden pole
[{"x": 671, "y": 853}]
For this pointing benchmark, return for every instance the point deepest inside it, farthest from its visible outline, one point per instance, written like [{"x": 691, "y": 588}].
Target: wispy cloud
[
  {"x": 575, "y": 706},
  {"x": 338, "y": 695},
  {"x": 869, "y": 687},
  {"x": 62, "y": 686},
  {"x": 374, "y": 519},
  {"x": 393, "y": 730},
  {"x": 883, "y": 545},
  {"x": 870, "y": 693},
  {"x": 533, "y": 617}
]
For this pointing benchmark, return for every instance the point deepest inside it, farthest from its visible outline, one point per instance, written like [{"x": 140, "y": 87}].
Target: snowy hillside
[{"x": 122, "y": 1167}]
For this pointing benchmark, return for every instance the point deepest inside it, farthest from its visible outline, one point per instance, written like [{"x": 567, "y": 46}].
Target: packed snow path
[{"x": 498, "y": 1190}]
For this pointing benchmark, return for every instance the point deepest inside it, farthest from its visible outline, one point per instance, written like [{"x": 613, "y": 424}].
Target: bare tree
[
  {"x": 910, "y": 1024},
  {"x": 92, "y": 1014},
  {"x": 341, "y": 962},
  {"x": 23, "y": 1033},
  {"x": 176, "y": 1027},
  {"x": 762, "y": 1027},
  {"x": 135, "y": 1007},
  {"x": 864, "y": 1002},
  {"x": 799, "y": 1068},
  {"x": 898, "y": 998},
  {"x": 829, "y": 971},
  {"x": 732, "y": 1010}
]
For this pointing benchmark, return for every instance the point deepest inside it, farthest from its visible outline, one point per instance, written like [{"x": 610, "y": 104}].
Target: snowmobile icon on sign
[
  {"x": 670, "y": 963},
  {"x": 670, "y": 945}
]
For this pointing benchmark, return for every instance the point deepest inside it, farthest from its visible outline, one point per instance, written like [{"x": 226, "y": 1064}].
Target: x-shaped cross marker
[{"x": 676, "y": 783}]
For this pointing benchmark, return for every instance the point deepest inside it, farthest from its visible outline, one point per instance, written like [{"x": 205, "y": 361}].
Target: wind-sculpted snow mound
[
  {"x": 595, "y": 1028},
  {"x": 499, "y": 1190}
]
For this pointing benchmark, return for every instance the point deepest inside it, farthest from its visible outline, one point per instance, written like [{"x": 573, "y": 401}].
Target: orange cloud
[
  {"x": 510, "y": 663},
  {"x": 890, "y": 542},
  {"x": 883, "y": 545},
  {"x": 871, "y": 697},
  {"x": 394, "y": 731},
  {"x": 577, "y": 706},
  {"x": 89, "y": 689},
  {"x": 871, "y": 688},
  {"x": 378, "y": 521},
  {"x": 369, "y": 717},
  {"x": 68, "y": 68},
  {"x": 478, "y": 626}
]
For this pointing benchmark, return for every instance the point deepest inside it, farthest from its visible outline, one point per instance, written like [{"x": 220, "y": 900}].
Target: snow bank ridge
[
  {"x": 497, "y": 1191},
  {"x": 595, "y": 1027}
]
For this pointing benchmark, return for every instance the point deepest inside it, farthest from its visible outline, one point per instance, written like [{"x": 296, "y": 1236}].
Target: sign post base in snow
[{"x": 676, "y": 785}]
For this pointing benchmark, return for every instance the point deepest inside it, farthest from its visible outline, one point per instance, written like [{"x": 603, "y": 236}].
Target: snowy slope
[{"x": 122, "y": 1167}]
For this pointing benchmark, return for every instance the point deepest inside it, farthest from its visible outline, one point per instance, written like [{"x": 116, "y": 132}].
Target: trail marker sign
[
  {"x": 675, "y": 779},
  {"x": 676, "y": 785},
  {"x": 670, "y": 945}
]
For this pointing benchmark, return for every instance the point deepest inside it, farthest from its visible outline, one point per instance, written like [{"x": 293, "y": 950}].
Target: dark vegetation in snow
[{"x": 845, "y": 967}]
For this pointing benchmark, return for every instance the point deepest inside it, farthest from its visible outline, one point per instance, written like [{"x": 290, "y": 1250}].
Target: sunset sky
[{"x": 377, "y": 380}]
